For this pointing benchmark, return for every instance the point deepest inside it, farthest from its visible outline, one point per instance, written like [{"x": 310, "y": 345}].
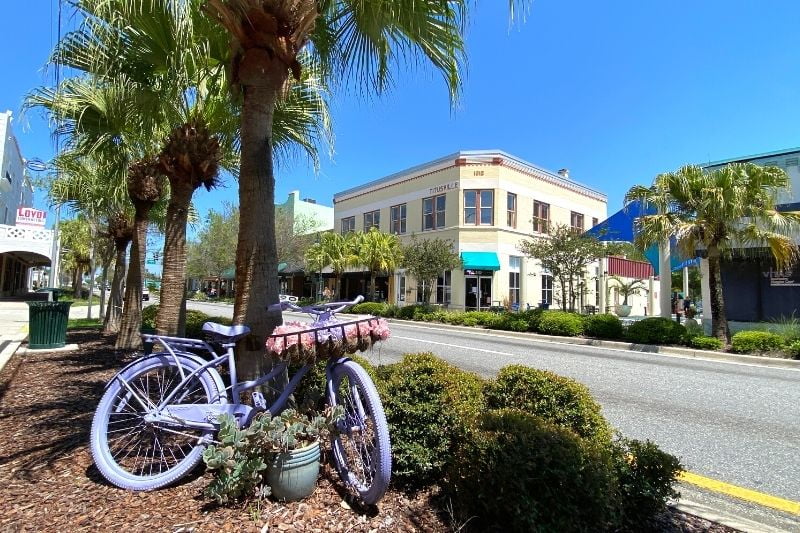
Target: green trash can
[
  {"x": 53, "y": 293},
  {"x": 47, "y": 324}
]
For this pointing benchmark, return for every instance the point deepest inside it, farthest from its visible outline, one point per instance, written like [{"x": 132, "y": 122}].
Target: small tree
[
  {"x": 566, "y": 255},
  {"x": 628, "y": 289},
  {"x": 426, "y": 259},
  {"x": 378, "y": 252}
]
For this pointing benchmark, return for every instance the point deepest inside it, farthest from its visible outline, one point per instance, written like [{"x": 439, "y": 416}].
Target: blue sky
[{"x": 616, "y": 91}]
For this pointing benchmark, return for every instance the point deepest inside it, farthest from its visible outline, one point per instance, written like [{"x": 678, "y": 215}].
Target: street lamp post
[{"x": 319, "y": 279}]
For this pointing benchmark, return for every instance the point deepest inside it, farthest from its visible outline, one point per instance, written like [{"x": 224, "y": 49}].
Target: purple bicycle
[{"x": 159, "y": 413}]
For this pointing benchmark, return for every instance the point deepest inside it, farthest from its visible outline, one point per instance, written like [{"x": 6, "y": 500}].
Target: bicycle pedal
[{"x": 258, "y": 401}]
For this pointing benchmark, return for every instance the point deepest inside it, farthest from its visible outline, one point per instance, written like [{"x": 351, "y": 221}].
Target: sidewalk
[
  {"x": 13, "y": 328},
  {"x": 14, "y": 325}
]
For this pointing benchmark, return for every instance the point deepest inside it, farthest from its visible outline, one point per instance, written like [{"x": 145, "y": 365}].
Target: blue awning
[{"x": 480, "y": 261}]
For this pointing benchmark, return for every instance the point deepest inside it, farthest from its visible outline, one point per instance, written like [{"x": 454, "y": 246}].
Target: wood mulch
[{"x": 48, "y": 481}]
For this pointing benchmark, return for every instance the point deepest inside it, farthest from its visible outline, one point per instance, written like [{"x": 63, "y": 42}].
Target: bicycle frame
[{"x": 206, "y": 415}]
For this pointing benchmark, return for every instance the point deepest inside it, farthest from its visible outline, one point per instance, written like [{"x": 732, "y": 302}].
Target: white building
[{"x": 24, "y": 243}]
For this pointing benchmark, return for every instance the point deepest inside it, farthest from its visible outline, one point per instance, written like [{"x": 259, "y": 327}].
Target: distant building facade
[
  {"x": 753, "y": 289},
  {"x": 24, "y": 242},
  {"x": 486, "y": 202}
]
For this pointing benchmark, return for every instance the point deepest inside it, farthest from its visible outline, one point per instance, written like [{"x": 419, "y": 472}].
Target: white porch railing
[{"x": 26, "y": 239}]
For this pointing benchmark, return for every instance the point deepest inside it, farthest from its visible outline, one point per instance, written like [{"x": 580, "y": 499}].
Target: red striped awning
[{"x": 628, "y": 268}]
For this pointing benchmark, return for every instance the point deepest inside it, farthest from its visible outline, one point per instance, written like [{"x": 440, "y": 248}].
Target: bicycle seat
[{"x": 228, "y": 332}]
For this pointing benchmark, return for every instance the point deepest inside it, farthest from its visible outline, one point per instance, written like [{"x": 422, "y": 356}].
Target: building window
[
  {"x": 576, "y": 222},
  {"x": 443, "y": 288},
  {"x": 348, "y": 225},
  {"x": 547, "y": 288},
  {"x": 594, "y": 221},
  {"x": 433, "y": 212},
  {"x": 541, "y": 217},
  {"x": 398, "y": 219},
  {"x": 372, "y": 219},
  {"x": 512, "y": 210},
  {"x": 479, "y": 207},
  {"x": 514, "y": 263}
]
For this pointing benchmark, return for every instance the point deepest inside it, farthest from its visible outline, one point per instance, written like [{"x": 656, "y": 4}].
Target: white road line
[{"x": 587, "y": 346}]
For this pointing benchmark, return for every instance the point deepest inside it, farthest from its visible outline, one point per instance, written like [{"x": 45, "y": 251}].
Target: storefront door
[{"x": 478, "y": 290}]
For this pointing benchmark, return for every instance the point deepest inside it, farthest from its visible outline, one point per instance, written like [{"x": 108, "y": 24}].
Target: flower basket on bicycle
[{"x": 296, "y": 342}]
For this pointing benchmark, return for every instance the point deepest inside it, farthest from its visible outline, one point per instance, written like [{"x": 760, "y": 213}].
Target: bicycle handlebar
[{"x": 317, "y": 309}]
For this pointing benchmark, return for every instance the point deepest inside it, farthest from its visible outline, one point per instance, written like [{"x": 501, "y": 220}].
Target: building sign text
[
  {"x": 27, "y": 216},
  {"x": 443, "y": 188}
]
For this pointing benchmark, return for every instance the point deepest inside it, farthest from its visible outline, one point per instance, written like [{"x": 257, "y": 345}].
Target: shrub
[
  {"x": 509, "y": 322},
  {"x": 605, "y": 326},
  {"x": 409, "y": 312},
  {"x": 557, "y": 399},
  {"x": 149, "y": 317},
  {"x": 756, "y": 341},
  {"x": 390, "y": 311},
  {"x": 560, "y": 323},
  {"x": 196, "y": 319},
  {"x": 793, "y": 349},
  {"x": 369, "y": 308},
  {"x": 693, "y": 329},
  {"x": 656, "y": 330},
  {"x": 469, "y": 321},
  {"x": 309, "y": 395},
  {"x": 429, "y": 404},
  {"x": 455, "y": 318},
  {"x": 517, "y": 472},
  {"x": 705, "y": 343},
  {"x": 645, "y": 476},
  {"x": 533, "y": 317}
]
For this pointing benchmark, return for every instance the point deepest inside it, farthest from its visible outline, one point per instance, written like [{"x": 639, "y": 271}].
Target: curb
[
  {"x": 724, "y": 517},
  {"x": 642, "y": 348}
]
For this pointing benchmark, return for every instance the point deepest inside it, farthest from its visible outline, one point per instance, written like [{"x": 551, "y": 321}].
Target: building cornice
[{"x": 465, "y": 158}]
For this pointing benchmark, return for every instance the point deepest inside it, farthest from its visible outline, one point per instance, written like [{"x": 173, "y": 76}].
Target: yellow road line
[{"x": 760, "y": 498}]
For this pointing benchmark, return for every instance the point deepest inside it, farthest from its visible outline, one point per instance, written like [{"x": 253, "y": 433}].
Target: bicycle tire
[
  {"x": 362, "y": 450},
  {"x": 106, "y": 449}
]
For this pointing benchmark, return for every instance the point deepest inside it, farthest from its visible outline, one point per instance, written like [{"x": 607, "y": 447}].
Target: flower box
[{"x": 296, "y": 342}]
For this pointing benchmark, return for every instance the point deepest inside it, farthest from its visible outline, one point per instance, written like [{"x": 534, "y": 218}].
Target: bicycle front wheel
[
  {"x": 361, "y": 448},
  {"x": 135, "y": 454}
]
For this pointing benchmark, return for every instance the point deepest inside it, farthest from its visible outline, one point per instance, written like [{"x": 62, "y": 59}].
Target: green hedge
[
  {"x": 194, "y": 321},
  {"x": 645, "y": 477},
  {"x": 429, "y": 404},
  {"x": 560, "y": 400},
  {"x": 756, "y": 342},
  {"x": 705, "y": 343},
  {"x": 560, "y": 323},
  {"x": 605, "y": 326},
  {"x": 517, "y": 472},
  {"x": 370, "y": 308},
  {"x": 656, "y": 330}
]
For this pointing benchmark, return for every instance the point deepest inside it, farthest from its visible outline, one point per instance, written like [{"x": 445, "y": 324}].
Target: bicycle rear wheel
[
  {"x": 361, "y": 448},
  {"x": 135, "y": 454}
]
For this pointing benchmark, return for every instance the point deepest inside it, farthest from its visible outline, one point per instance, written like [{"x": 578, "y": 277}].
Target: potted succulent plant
[
  {"x": 626, "y": 289},
  {"x": 282, "y": 450},
  {"x": 292, "y": 439}
]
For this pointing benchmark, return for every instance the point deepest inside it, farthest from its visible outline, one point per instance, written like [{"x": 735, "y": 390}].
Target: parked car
[
  {"x": 145, "y": 294},
  {"x": 288, "y": 298}
]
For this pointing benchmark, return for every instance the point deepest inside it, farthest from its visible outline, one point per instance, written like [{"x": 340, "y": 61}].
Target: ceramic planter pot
[
  {"x": 623, "y": 310},
  {"x": 293, "y": 475}
]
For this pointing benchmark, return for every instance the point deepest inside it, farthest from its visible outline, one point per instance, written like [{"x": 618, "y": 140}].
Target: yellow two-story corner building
[{"x": 485, "y": 201}]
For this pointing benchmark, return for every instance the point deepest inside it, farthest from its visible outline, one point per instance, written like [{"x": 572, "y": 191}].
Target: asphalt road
[{"x": 731, "y": 422}]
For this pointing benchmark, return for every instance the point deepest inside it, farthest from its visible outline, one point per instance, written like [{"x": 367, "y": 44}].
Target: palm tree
[
  {"x": 145, "y": 188},
  {"x": 336, "y": 251},
  {"x": 380, "y": 253},
  {"x": 628, "y": 289},
  {"x": 87, "y": 184},
  {"x": 720, "y": 210},
  {"x": 353, "y": 40}
]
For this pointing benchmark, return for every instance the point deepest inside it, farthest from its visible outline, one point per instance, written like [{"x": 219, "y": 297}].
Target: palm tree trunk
[
  {"x": 256, "y": 256},
  {"x": 372, "y": 289},
  {"x": 114, "y": 310},
  {"x": 719, "y": 322},
  {"x": 173, "y": 277},
  {"x": 131, "y": 323},
  {"x": 338, "y": 295},
  {"x": 76, "y": 282}
]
